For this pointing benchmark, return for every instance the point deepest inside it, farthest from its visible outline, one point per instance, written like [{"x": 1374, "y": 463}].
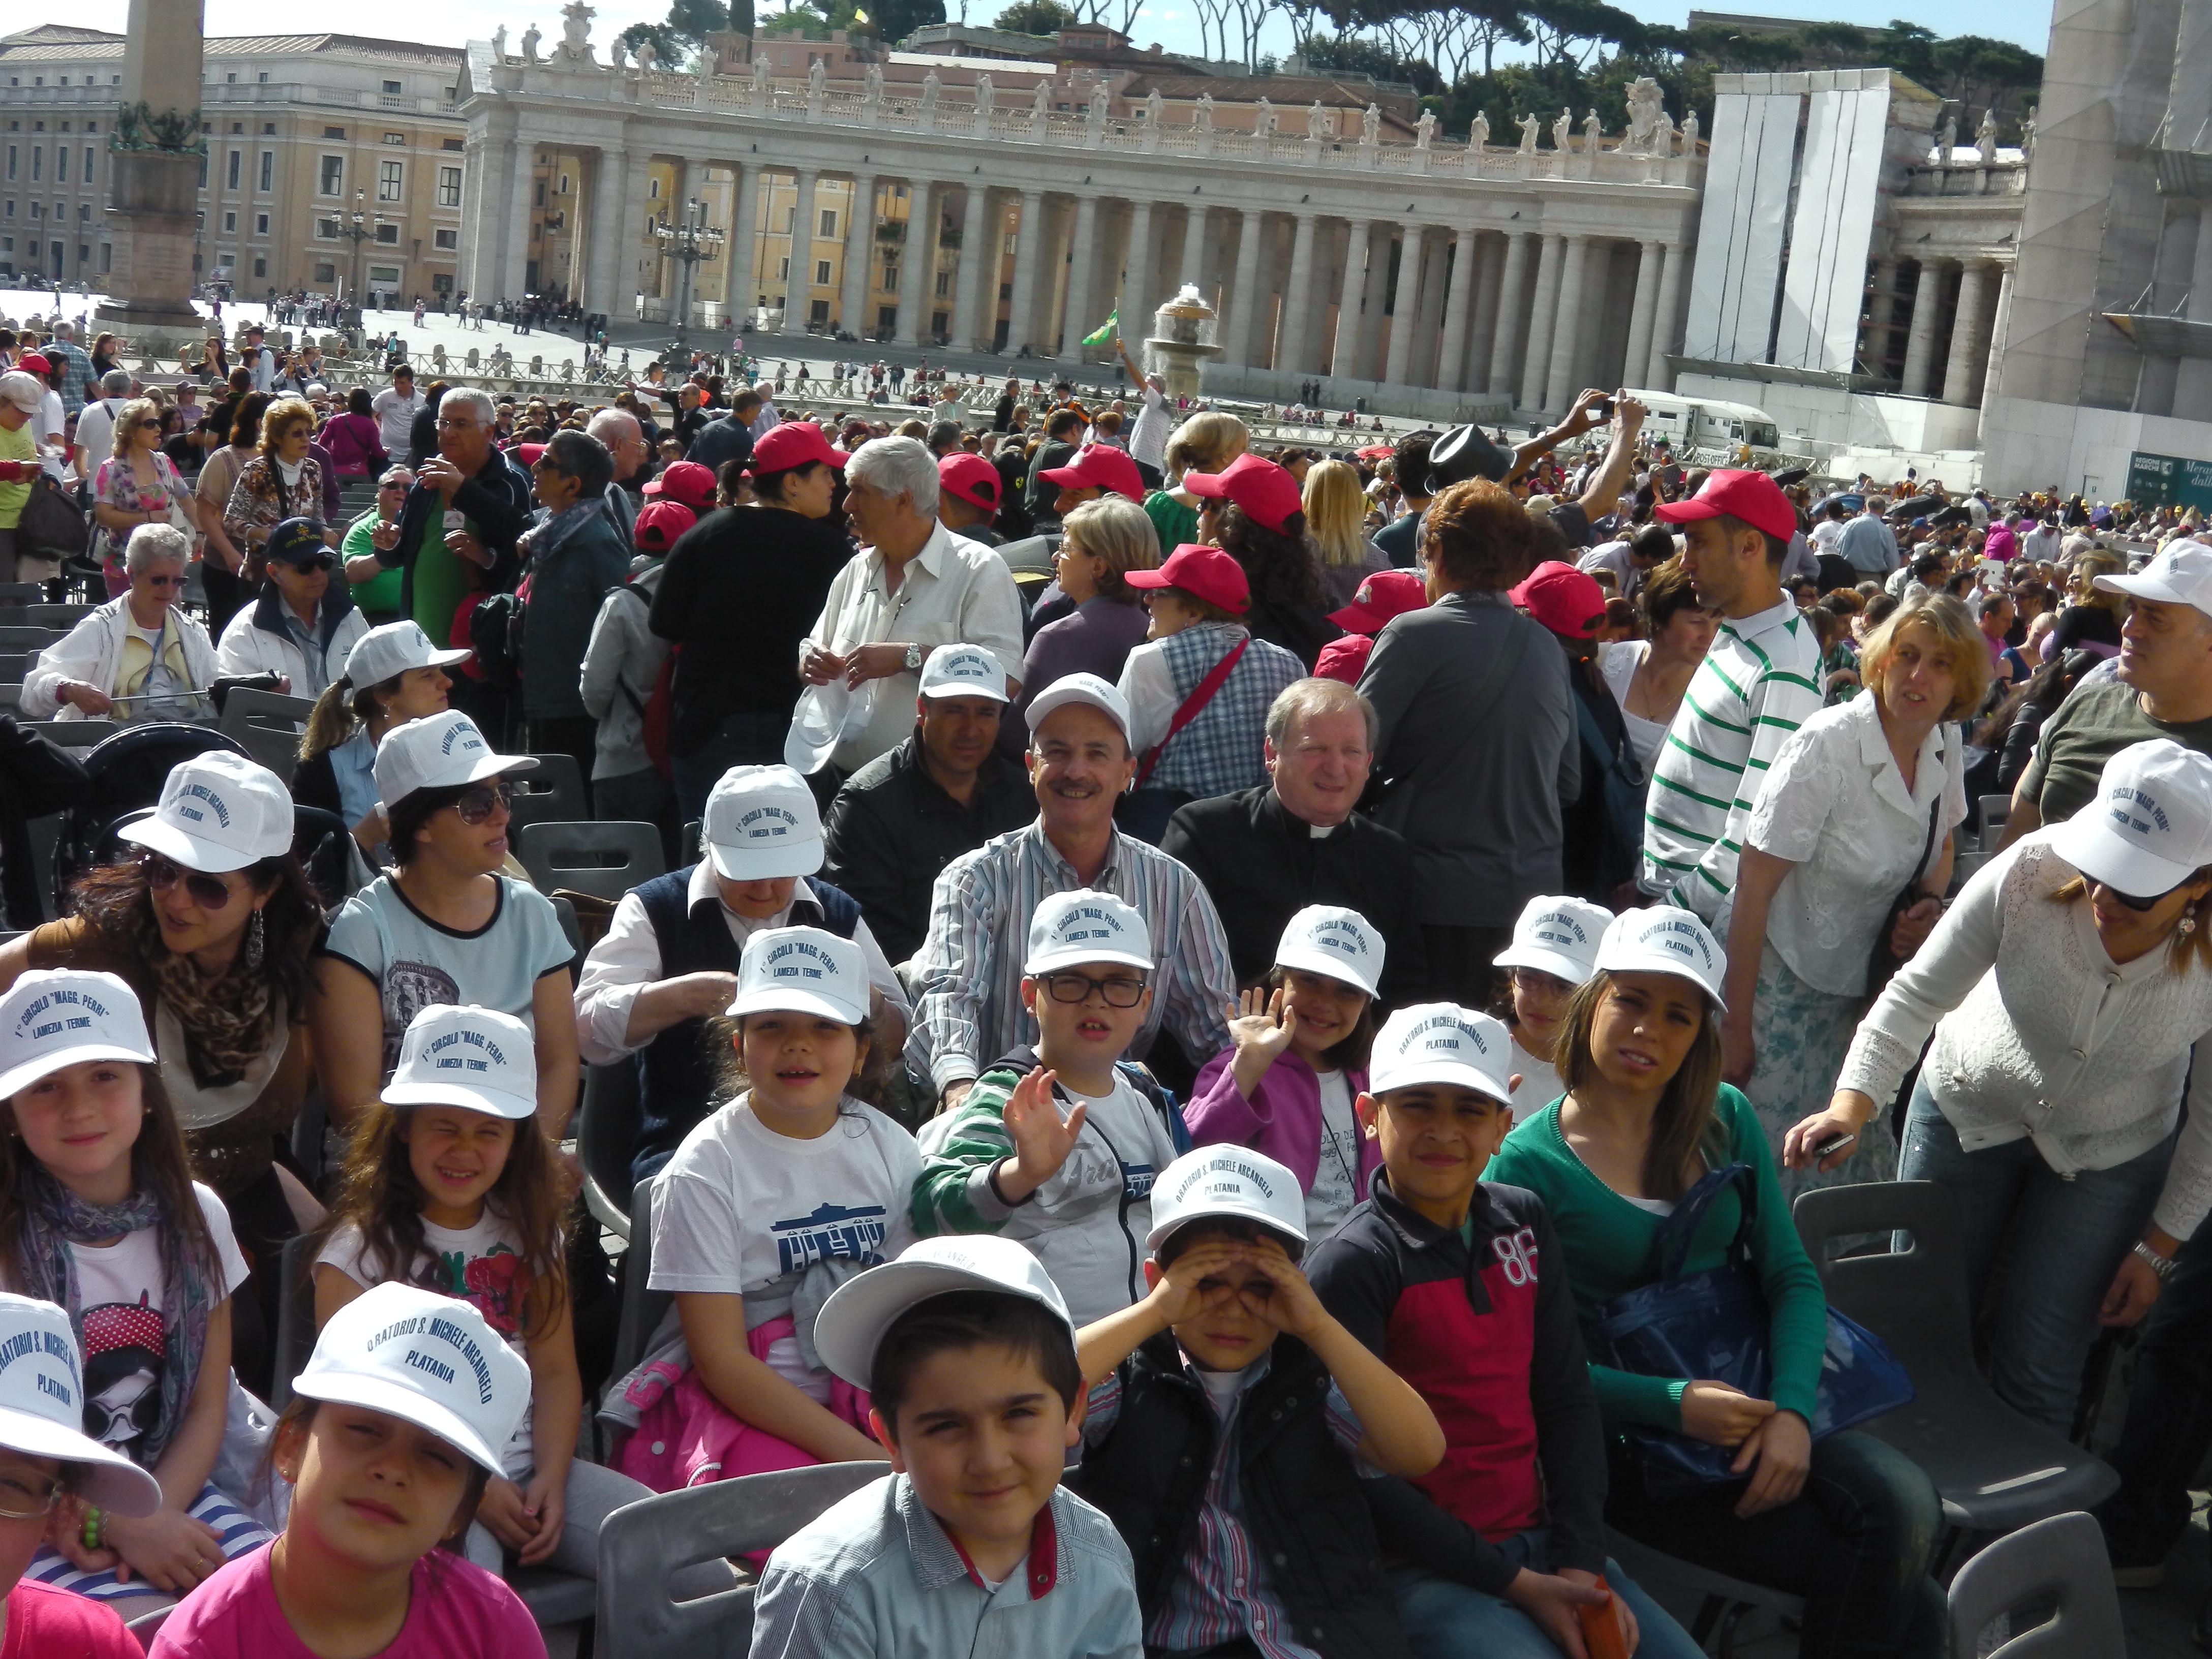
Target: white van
[{"x": 1706, "y": 429}]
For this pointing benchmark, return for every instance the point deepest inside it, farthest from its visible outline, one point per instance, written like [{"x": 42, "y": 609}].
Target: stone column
[
  {"x": 1451, "y": 364},
  {"x": 1965, "y": 334},
  {"x": 2000, "y": 329},
  {"x": 514, "y": 265},
  {"x": 742, "y": 292},
  {"x": 1920, "y": 343},
  {"x": 1559, "y": 386},
  {"x": 1424, "y": 369},
  {"x": 1238, "y": 348},
  {"x": 918, "y": 266},
  {"x": 1136, "y": 304},
  {"x": 1343, "y": 363},
  {"x": 1659, "y": 375},
  {"x": 1295, "y": 351},
  {"x": 1085, "y": 255},
  {"x": 1642, "y": 317},
  {"x": 1029, "y": 258},
  {"x": 799, "y": 292},
  {"x": 977, "y": 264},
  {"x": 860, "y": 246},
  {"x": 1881, "y": 314},
  {"x": 1403, "y": 324},
  {"x": 1542, "y": 316},
  {"x": 1374, "y": 300},
  {"x": 1490, "y": 275},
  {"x": 602, "y": 275},
  {"x": 1506, "y": 334}
]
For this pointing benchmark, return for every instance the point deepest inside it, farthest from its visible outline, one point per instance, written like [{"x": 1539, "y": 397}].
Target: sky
[{"x": 1173, "y": 23}]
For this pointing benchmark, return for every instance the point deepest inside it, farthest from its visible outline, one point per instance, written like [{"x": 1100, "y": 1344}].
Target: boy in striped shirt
[{"x": 1758, "y": 683}]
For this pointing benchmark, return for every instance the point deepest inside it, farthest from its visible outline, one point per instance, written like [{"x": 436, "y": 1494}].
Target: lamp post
[
  {"x": 361, "y": 229},
  {"x": 688, "y": 241}
]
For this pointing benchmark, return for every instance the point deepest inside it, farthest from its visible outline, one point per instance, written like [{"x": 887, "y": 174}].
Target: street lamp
[
  {"x": 687, "y": 242},
  {"x": 362, "y": 229}
]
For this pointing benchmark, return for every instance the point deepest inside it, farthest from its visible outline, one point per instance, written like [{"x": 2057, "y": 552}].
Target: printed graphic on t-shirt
[
  {"x": 123, "y": 1365},
  {"x": 1137, "y": 1181},
  {"x": 833, "y": 1230},
  {"x": 494, "y": 1282},
  {"x": 408, "y": 988}
]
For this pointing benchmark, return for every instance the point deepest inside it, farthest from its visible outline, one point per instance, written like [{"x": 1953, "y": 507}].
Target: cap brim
[
  {"x": 1327, "y": 966},
  {"x": 1152, "y": 577},
  {"x": 1068, "y": 479},
  {"x": 1053, "y": 965},
  {"x": 801, "y": 858},
  {"x": 1452, "y": 1072},
  {"x": 968, "y": 688},
  {"x": 109, "y": 1479},
  {"x": 1557, "y": 964},
  {"x": 497, "y": 1103},
  {"x": 375, "y": 1394},
  {"x": 1684, "y": 511},
  {"x": 2146, "y": 587},
  {"x": 1641, "y": 962},
  {"x": 851, "y": 1323},
  {"x": 2084, "y": 841},
  {"x": 786, "y": 997},
  {"x": 1352, "y": 619},
  {"x": 207, "y": 857},
  {"x": 19, "y": 1078},
  {"x": 1206, "y": 484},
  {"x": 1291, "y": 1235}
]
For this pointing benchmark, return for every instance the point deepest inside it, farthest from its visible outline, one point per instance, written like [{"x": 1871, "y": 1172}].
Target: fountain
[{"x": 1182, "y": 339}]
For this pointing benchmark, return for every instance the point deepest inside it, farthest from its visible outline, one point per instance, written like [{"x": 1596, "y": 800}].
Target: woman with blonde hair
[
  {"x": 2091, "y": 620},
  {"x": 1100, "y": 542},
  {"x": 138, "y": 484},
  {"x": 282, "y": 482},
  {"x": 1207, "y": 442},
  {"x": 1336, "y": 519}
]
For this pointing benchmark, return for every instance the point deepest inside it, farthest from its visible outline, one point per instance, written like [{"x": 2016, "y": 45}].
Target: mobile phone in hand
[{"x": 1834, "y": 1144}]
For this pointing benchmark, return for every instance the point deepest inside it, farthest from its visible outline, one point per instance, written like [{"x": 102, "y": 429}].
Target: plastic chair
[
  {"x": 74, "y": 734},
  {"x": 267, "y": 726},
  {"x": 147, "y": 1626},
  {"x": 566, "y": 853},
  {"x": 641, "y": 1309},
  {"x": 295, "y": 1316},
  {"x": 552, "y": 793},
  {"x": 692, "y": 830},
  {"x": 606, "y": 1139},
  {"x": 1724, "y": 1600},
  {"x": 642, "y": 1543},
  {"x": 2061, "y": 1557},
  {"x": 16, "y": 636},
  {"x": 1995, "y": 1470},
  {"x": 1994, "y": 810}
]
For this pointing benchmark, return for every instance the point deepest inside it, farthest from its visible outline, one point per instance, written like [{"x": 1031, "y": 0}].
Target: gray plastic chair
[
  {"x": 295, "y": 1316},
  {"x": 641, "y": 1309},
  {"x": 567, "y": 854},
  {"x": 2061, "y": 1557},
  {"x": 267, "y": 726},
  {"x": 642, "y": 1543},
  {"x": 1995, "y": 1470},
  {"x": 606, "y": 1141},
  {"x": 551, "y": 792},
  {"x": 1724, "y": 1601}
]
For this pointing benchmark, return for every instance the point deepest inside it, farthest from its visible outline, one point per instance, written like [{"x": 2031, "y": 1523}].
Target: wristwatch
[
  {"x": 914, "y": 659},
  {"x": 2160, "y": 1264}
]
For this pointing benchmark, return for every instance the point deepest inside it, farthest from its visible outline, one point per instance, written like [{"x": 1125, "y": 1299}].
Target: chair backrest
[
  {"x": 246, "y": 707},
  {"x": 606, "y": 1141},
  {"x": 147, "y": 1626},
  {"x": 14, "y": 664},
  {"x": 2062, "y": 1558},
  {"x": 71, "y": 734},
  {"x": 24, "y": 636},
  {"x": 1914, "y": 1299},
  {"x": 641, "y": 1544},
  {"x": 689, "y": 847},
  {"x": 603, "y": 858},
  {"x": 57, "y": 616},
  {"x": 272, "y": 747},
  {"x": 295, "y": 1316},
  {"x": 641, "y": 1309},
  {"x": 552, "y": 793},
  {"x": 22, "y": 592}
]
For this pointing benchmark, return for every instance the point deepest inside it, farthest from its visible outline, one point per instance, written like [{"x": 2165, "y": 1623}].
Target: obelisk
[{"x": 154, "y": 150}]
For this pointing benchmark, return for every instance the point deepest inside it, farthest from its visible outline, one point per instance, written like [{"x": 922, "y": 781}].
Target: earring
[
  {"x": 2187, "y": 924},
  {"x": 255, "y": 932}
]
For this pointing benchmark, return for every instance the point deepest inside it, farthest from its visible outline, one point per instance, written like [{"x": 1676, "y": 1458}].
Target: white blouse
[
  {"x": 1618, "y": 661},
  {"x": 1835, "y": 805}
]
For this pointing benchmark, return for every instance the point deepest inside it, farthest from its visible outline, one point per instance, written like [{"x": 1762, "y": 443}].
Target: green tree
[{"x": 1034, "y": 17}]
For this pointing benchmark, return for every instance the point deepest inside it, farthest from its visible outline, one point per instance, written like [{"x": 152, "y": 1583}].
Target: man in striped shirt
[
  {"x": 1758, "y": 683},
  {"x": 967, "y": 975}
]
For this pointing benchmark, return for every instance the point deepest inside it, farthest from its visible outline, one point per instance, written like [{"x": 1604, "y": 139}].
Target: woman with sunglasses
[
  {"x": 302, "y": 624},
  {"x": 2070, "y": 991},
  {"x": 443, "y": 926},
  {"x": 138, "y": 657},
  {"x": 282, "y": 482},
  {"x": 208, "y": 917},
  {"x": 138, "y": 484}
]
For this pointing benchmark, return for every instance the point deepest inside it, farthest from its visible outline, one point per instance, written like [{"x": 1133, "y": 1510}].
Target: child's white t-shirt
[
  {"x": 481, "y": 1265},
  {"x": 1335, "y": 1187},
  {"x": 1539, "y": 1083},
  {"x": 742, "y": 1211}
]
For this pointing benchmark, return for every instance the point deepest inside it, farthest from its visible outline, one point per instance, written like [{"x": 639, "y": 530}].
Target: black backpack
[{"x": 495, "y": 629}]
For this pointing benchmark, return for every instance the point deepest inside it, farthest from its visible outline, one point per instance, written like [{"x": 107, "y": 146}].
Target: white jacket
[
  {"x": 247, "y": 647},
  {"x": 91, "y": 651}
]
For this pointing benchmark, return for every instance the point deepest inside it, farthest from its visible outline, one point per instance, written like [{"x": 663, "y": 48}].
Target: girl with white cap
[
  {"x": 2070, "y": 991},
  {"x": 1848, "y": 1524},
  {"x": 1298, "y": 1061},
  {"x": 392, "y": 1437},
  {"x": 99, "y": 1215},
  {"x": 392, "y": 675},
  {"x": 1554, "y": 949}
]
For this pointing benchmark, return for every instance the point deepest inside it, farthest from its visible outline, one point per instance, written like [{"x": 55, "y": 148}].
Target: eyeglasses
[
  {"x": 209, "y": 893},
  {"x": 1123, "y": 991},
  {"x": 321, "y": 561},
  {"x": 25, "y": 1496},
  {"x": 480, "y": 803},
  {"x": 2139, "y": 905},
  {"x": 149, "y": 426}
]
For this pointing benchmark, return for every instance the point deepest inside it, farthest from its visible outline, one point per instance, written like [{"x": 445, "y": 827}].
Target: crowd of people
[{"x": 1188, "y": 988}]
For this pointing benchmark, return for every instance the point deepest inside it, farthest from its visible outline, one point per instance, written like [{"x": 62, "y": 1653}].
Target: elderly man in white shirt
[{"x": 913, "y": 586}]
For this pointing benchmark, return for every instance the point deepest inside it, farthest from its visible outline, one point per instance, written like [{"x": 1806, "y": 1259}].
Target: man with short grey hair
[
  {"x": 75, "y": 365},
  {"x": 766, "y": 421},
  {"x": 95, "y": 427},
  {"x": 619, "y": 429},
  {"x": 913, "y": 585},
  {"x": 469, "y": 505}
]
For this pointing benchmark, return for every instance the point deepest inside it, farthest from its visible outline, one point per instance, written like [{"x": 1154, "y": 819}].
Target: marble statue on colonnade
[{"x": 1479, "y": 134}]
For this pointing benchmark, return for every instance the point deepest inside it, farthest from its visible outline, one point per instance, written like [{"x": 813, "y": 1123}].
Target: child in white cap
[
  {"x": 100, "y": 1215},
  {"x": 48, "y": 1466},
  {"x": 788, "y": 1188},
  {"x": 1554, "y": 949},
  {"x": 392, "y": 675},
  {"x": 1058, "y": 1145},
  {"x": 1225, "y": 1412},
  {"x": 1298, "y": 1061},
  {"x": 391, "y": 1436}
]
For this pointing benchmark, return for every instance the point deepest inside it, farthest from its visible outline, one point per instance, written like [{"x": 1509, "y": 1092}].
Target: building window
[
  {"x": 260, "y": 224},
  {"x": 269, "y": 128},
  {"x": 326, "y": 272},
  {"x": 38, "y": 163},
  {"x": 11, "y": 164},
  {"x": 7, "y": 210},
  {"x": 891, "y": 275},
  {"x": 828, "y": 228},
  {"x": 231, "y": 78},
  {"x": 88, "y": 164},
  {"x": 653, "y": 192},
  {"x": 446, "y": 239},
  {"x": 442, "y": 282},
  {"x": 204, "y": 171},
  {"x": 261, "y": 79},
  {"x": 898, "y": 192},
  {"x": 84, "y": 213},
  {"x": 449, "y": 187},
  {"x": 37, "y": 210},
  {"x": 391, "y": 177},
  {"x": 538, "y": 193},
  {"x": 333, "y": 132},
  {"x": 886, "y": 319},
  {"x": 61, "y": 164},
  {"x": 384, "y": 273},
  {"x": 393, "y": 89},
  {"x": 395, "y": 138},
  {"x": 230, "y": 172},
  {"x": 333, "y": 176},
  {"x": 565, "y": 184},
  {"x": 327, "y": 229},
  {"x": 261, "y": 266},
  {"x": 229, "y": 223},
  {"x": 451, "y": 143},
  {"x": 268, "y": 170},
  {"x": 388, "y": 235},
  {"x": 943, "y": 284},
  {"x": 821, "y": 272},
  {"x": 782, "y": 266}
]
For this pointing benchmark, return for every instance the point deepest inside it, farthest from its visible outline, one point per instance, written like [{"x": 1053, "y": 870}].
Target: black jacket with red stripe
[{"x": 1489, "y": 1338}]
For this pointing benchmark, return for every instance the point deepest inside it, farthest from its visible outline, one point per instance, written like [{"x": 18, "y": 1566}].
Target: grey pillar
[
  {"x": 799, "y": 293},
  {"x": 741, "y": 282},
  {"x": 1295, "y": 350},
  {"x": 604, "y": 272},
  {"x": 1238, "y": 348},
  {"x": 1965, "y": 335},
  {"x": 1029, "y": 252},
  {"x": 1136, "y": 304},
  {"x": 1881, "y": 315},
  {"x": 1085, "y": 256},
  {"x": 1666, "y": 319},
  {"x": 976, "y": 227},
  {"x": 1346, "y": 349},
  {"x": 1920, "y": 343},
  {"x": 859, "y": 244},
  {"x": 918, "y": 267},
  {"x": 1506, "y": 335},
  {"x": 1403, "y": 324},
  {"x": 1542, "y": 313},
  {"x": 515, "y": 267},
  {"x": 1559, "y": 386},
  {"x": 1642, "y": 317},
  {"x": 1451, "y": 365}
]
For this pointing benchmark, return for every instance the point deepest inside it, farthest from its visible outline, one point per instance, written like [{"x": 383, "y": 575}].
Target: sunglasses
[
  {"x": 1122, "y": 992},
  {"x": 320, "y": 561},
  {"x": 480, "y": 803},
  {"x": 163, "y": 582},
  {"x": 149, "y": 426},
  {"x": 209, "y": 893},
  {"x": 2139, "y": 905}
]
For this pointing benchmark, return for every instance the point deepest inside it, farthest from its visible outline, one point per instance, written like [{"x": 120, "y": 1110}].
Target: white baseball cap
[
  {"x": 388, "y": 652},
  {"x": 438, "y": 751},
  {"x": 427, "y": 1359},
  {"x": 56, "y": 1017},
  {"x": 1335, "y": 943},
  {"x": 802, "y": 970},
  {"x": 855, "y": 1319},
  {"x": 218, "y": 811},
  {"x": 1227, "y": 1181},
  {"x": 42, "y": 1408},
  {"x": 1558, "y": 937},
  {"x": 1441, "y": 1042},
  {"x": 1070, "y": 928},
  {"x": 824, "y": 717},
  {"x": 23, "y": 389},
  {"x": 1081, "y": 687},
  {"x": 2148, "y": 827},
  {"x": 964, "y": 670},
  {"x": 1665, "y": 939},
  {"x": 760, "y": 822},
  {"x": 2180, "y": 574},
  {"x": 466, "y": 1056}
]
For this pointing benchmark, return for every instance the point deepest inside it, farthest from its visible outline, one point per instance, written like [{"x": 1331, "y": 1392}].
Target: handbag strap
[
  {"x": 1194, "y": 705},
  {"x": 1670, "y": 1246},
  {"x": 1928, "y": 848}
]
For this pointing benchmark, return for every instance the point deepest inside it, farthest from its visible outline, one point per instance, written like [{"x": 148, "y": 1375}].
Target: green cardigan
[{"x": 1608, "y": 1242}]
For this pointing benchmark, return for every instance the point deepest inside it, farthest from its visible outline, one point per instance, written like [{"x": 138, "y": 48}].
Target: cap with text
[
  {"x": 1071, "y": 929},
  {"x": 2148, "y": 827},
  {"x": 52, "y": 1018},
  {"x": 964, "y": 670},
  {"x": 1558, "y": 937},
  {"x": 1081, "y": 687},
  {"x": 1335, "y": 943},
  {"x": 1444, "y": 1044},
  {"x": 218, "y": 813},
  {"x": 1231, "y": 1181},
  {"x": 42, "y": 1408},
  {"x": 386, "y": 653},
  {"x": 438, "y": 751},
  {"x": 466, "y": 1056},
  {"x": 761, "y": 823},
  {"x": 861, "y": 1311},
  {"x": 1665, "y": 940},
  {"x": 802, "y": 970}
]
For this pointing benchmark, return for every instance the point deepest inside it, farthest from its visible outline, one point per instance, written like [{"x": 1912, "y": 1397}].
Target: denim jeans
[
  {"x": 1444, "y": 1620},
  {"x": 2169, "y": 1423},
  {"x": 2065, "y": 1235},
  {"x": 1856, "y": 1544},
  {"x": 742, "y": 739}
]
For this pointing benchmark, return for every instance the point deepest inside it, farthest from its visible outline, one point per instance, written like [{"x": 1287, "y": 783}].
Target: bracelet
[
  {"x": 95, "y": 1528},
  {"x": 2160, "y": 1264}
]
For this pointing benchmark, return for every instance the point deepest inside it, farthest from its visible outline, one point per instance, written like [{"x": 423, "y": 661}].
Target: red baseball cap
[
  {"x": 659, "y": 524},
  {"x": 1751, "y": 496},
  {"x": 792, "y": 443},
  {"x": 530, "y": 455},
  {"x": 1385, "y": 594},
  {"x": 32, "y": 361},
  {"x": 970, "y": 477},
  {"x": 690, "y": 483},
  {"x": 1098, "y": 466},
  {"x": 1264, "y": 490},
  {"x": 1564, "y": 599},
  {"x": 1205, "y": 573}
]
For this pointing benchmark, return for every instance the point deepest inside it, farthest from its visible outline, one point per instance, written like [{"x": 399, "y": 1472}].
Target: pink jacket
[{"x": 1282, "y": 1119}]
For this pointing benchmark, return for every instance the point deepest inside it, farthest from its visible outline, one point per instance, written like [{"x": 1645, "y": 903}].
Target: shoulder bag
[
  {"x": 1145, "y": 812},
  {"x": 1882, "y": 961}
]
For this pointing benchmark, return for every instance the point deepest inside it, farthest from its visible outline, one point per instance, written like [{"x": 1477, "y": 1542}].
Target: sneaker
[{"x": 2148, "y": 1575}]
